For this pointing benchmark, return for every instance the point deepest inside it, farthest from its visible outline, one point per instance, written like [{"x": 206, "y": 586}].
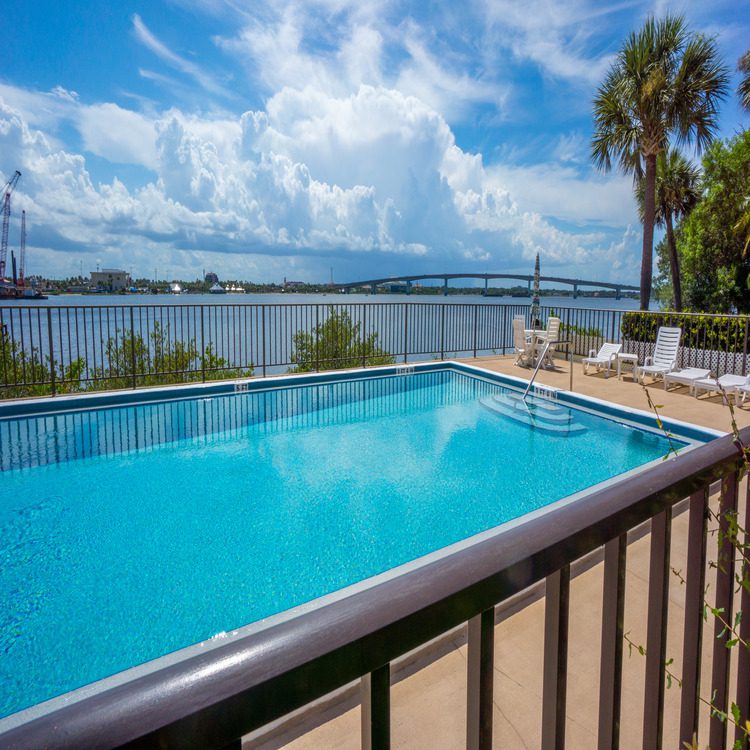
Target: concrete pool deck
[{"x": 428, "y": 706}]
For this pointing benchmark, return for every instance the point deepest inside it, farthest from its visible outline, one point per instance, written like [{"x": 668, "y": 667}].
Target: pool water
[{"x": 127, "y": 533}]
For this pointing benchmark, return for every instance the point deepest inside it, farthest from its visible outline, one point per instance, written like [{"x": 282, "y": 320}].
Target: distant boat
[
  {"x": 10, "y": 291},
  {"x": 217, "y": 289},
  {"x": 30, "y": 293},
  {"x": 235, "y": 290},
  {"x": 175, "y": 288}
]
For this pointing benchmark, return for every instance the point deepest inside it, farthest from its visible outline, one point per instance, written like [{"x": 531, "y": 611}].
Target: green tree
[
  {"x": 665, "y": 82},
  {"x": 715, "y": 270},
  {"x": 743, "y": 90},
  {"x": 677, "y": 192},
  {"x": 336, "y": 344}
]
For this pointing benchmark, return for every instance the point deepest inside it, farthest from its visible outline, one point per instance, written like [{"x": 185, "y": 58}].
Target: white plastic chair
[
  {"x": 664, "y": 359},
  {"x": 551, "y": 334},
  {"x": 605, "y": 357},
  {"x": 523, "y": 349}
]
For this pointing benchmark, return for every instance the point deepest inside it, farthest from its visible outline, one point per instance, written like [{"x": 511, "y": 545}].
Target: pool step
[
  {"x": 546, "y": 411},
  {"x": 531, "y": 415}
]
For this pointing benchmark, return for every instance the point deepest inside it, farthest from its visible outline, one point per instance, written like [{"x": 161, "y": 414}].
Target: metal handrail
[
  {"x": 211, "y": 699},
  {"x": 540, "y": 360}
]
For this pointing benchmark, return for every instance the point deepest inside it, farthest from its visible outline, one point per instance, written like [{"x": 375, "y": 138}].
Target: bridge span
[{"x": 528, "y": 278}]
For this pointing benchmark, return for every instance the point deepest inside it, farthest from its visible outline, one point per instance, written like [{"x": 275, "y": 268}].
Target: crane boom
[
  {"x": 22, "y": 252},
  {"x": 7, "y": 190}
]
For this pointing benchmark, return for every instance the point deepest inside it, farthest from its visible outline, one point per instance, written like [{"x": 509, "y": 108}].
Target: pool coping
[{"x": 78, "y": 402}]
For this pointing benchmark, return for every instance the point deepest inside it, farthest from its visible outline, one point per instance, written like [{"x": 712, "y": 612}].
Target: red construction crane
[
  {"x": 22, "y": 253},
  {"x": 7, "y": 190}
]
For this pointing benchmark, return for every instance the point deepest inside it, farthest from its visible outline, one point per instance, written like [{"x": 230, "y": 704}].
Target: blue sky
[{"x": 264, "y": 139}]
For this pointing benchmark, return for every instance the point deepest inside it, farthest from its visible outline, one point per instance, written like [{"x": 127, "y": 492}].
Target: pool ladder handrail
[{"x": 536, "y": 369}]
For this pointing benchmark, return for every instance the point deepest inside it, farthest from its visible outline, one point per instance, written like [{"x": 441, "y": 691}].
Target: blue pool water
[{"x": 127, "y": 533}]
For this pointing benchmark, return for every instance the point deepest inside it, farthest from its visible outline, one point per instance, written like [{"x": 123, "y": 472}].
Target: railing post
[
  {"x": 724, "y": 595},
  {"x": 203, "y": 350},
  {"x": 51, "y": 351},
  {"x": 656, "y": 636},
  {"x": 480, "y": 679},
  {"x": 363, "y": 334},
  {"x": 744, "y": 349},
  {"x": 554, "y": 688},
  {"x": 743, "y": 661},
  {"x": 317, "y": 338},
  {"x": 476, "y": 310},
  {"x": 503, "y": 327},
  {"x": 613, "y": 611},
  {"x": 132, "y": 346},
  {"x": 406, "y": 332},
  {"x": 263, "y": 336},
  {"x": 376, "y": 709},
  {"x": 693, "y": 629},
  {"x": 442, "y": 330}
]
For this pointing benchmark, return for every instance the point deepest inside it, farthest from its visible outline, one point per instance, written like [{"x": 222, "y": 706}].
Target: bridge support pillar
[
  {"x": 529, "y": 287},
  {"x": 618, "y": 292},
  {"x": 484, "y": 294},
  {"x": 575, "y": 291},
  {"x": 445, "y": 287},
  {"x": 408, "y": 286}
]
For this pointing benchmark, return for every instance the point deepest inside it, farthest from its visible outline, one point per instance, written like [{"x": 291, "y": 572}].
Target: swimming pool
[{"x": 134, "y": 530}]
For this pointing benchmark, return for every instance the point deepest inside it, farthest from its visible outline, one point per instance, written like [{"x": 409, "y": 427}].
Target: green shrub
[
  {"x": 712, "y": 332},
  {"x": 336, "y": 344}
]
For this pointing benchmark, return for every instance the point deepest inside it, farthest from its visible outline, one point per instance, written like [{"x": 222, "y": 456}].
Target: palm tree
[
  {"x": 743, "y": 90},
  {"x": 664, "y": 82},
  {"x": 677, "y": 191}
]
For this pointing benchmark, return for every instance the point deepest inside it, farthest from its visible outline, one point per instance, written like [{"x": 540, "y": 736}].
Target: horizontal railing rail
[
  {"x": 212, "y": 699},
  {"x": 53, "y": 349}
]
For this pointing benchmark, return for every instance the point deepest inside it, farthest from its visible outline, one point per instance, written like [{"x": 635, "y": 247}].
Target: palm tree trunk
[
  {"x": 673, "y": 263},
  {"x": 649, "y": 210}
]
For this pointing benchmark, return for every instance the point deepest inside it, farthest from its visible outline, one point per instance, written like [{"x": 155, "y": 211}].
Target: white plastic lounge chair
[
  {"x": 523, "y": 349},
  {"x": 664, "y": 359},
  {"x": 727, "y": 385},
  {"x": 743, "y": 389},
  {"x": 687, "y": 377},
  {"x": 605, "y": 357}
]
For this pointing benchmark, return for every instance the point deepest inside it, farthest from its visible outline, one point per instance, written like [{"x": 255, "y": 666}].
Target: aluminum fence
[{"x": 50, "y": 349}]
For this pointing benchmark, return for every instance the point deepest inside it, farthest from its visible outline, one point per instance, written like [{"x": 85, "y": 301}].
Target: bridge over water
[{"x": 528, "y": 278}]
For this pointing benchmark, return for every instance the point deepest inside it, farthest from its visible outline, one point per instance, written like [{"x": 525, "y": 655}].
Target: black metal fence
[
  {"x": 58, "y": 349},
  {"x": 213, "y": 698}
]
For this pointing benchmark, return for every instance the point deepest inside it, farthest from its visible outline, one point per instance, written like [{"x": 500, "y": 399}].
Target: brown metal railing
[{"x": 212, "y": 699}]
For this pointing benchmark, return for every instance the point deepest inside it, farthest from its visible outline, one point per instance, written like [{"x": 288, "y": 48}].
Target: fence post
[
  {"x": 744, "y": 351},
  {"x": 132, "y": 346},
  {"x": 51, "y": 351},
  {"x": 442, "y": 330},
  {"x": 363, "y": 333},
  {"x": 476, "y": 310},
  {"x": 317, "y": 338},
  {"x": 263, "y": 336},
  {"x": 203, "y": 351},
  {"x": 406, "y": 331}
]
